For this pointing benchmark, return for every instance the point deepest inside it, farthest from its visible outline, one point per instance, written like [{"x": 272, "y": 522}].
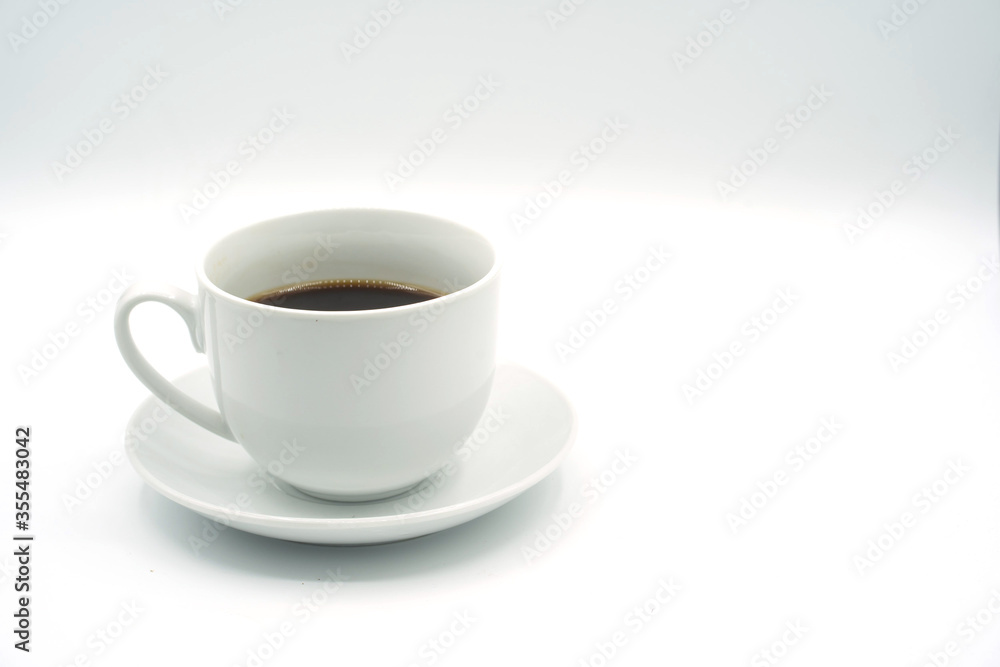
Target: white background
[{"x": 688, "y": 127}]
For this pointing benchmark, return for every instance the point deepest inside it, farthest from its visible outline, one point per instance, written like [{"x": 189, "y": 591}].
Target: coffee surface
[{"x": 345, "y": 294}]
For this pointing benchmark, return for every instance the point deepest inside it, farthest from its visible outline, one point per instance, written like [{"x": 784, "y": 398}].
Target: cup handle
[{"x": 185, "y": 305}]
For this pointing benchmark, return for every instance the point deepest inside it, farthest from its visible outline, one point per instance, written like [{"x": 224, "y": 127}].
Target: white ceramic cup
[{"x": 342, "y": 405}]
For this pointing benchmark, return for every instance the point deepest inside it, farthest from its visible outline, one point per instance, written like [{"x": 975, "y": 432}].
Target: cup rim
[{"x": 295, "y": 313}]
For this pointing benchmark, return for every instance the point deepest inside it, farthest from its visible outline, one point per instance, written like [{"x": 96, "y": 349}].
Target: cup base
[{"x": 356, "y": 498}]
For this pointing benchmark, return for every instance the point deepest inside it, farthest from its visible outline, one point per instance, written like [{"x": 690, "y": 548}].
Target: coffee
[{"x": 344, "y": 294}]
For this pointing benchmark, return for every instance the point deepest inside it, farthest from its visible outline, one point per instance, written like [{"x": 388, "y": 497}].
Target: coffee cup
[{"x": 343, "y": 405}]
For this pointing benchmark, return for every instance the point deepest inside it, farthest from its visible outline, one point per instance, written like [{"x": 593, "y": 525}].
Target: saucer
[{"x": 525, "y": 433}]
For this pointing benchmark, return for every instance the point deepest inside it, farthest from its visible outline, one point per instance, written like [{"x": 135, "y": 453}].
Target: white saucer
[{"x": 217, "y": 479}]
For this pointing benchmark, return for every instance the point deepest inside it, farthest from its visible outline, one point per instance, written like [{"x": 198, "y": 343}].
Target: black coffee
[{"x": 345, "y": 294}]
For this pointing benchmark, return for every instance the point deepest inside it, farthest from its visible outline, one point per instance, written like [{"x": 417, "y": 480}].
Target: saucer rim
[{"x": 492, "y": 499}]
